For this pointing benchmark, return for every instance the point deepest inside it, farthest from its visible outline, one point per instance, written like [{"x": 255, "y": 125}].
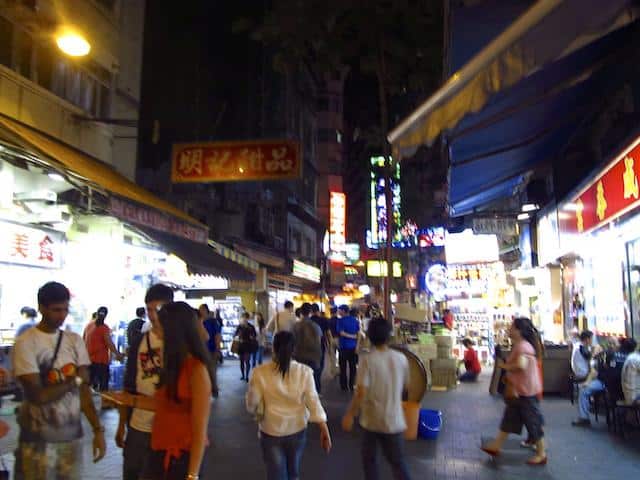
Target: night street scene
[{"x": 319, "y": 239}]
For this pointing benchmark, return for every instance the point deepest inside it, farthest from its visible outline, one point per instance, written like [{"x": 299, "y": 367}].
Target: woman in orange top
[{"x": 181, "y": 403}]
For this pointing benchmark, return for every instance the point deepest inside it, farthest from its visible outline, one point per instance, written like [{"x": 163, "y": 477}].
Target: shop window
[{"x": 6, "y": 42}]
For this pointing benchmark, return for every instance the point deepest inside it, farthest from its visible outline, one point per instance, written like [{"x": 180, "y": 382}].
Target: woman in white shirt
[{"x": 283, "y": 396}]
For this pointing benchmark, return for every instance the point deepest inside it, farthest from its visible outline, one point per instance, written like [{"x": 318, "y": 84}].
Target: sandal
[
  {"x": 490, "y": 451},
  {"x": 542, "y": 461}
]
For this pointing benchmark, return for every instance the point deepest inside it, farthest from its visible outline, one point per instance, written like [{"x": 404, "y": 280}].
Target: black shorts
[{"x": 523, "y": 411}]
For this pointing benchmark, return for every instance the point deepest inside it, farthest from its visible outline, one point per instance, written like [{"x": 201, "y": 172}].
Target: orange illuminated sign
[
  {"x": 337, "y": 221},
  {"x": 235, "y": 161}
]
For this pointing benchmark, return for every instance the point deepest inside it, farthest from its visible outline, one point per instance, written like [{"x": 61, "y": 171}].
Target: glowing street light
[{"x": 72, "y": 43}]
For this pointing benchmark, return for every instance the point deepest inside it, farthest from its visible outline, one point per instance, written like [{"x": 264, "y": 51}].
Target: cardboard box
[
  {"x": 444, "y": 341},
  {"x": 444, "y": 364}
]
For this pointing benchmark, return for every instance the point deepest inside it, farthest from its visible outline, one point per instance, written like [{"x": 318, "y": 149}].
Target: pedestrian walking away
[
  {"x": 182, "y": 401},
  {"x": 214, "y": 342},
  {"x": 261, "y": 330},
  {"x": 283, "y": 398},
  {"x": 248, "y": 343},
  {"x": 100, "y": 347},
  {"x": 52, "y": 367},
  {"x": 136, "y": 326},
  {"x": 142, "y": 376},
  {"x": 383, "y": 376},
  {"x": 348, "y": 328},
  {"x": 284, "y": 320},
  {"x": 521, "y": 391},
  {"x": 308, "y": 348}
]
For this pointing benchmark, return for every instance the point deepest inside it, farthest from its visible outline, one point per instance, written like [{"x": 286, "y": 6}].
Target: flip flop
[
  {"x": 542, "y": 461},
  {"x": 490, "y": 451}
]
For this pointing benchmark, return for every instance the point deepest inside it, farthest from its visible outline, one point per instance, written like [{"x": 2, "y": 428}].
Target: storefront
[{"x": 599, "y": 237}]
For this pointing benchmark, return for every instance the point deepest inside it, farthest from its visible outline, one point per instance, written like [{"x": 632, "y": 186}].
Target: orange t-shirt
[
  {"x": 172, "y": 422},
  {"x": 97, "y": 345}
]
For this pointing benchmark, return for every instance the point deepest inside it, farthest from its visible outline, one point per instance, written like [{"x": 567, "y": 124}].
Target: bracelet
[{"x": 99, "y": 428}]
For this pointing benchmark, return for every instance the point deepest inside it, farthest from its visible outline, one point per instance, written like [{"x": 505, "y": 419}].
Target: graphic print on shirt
[
  {"x": 58, "y": 420},
  {"x": 150, "y": 363}
]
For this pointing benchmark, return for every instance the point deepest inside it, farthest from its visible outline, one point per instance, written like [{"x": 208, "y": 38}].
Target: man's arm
[
  {"x": 89, "y": 410},
  {"x": 218, "y": 342},
  {"x": 39, "y": 394},
  {"x": 112, "y": 348}
]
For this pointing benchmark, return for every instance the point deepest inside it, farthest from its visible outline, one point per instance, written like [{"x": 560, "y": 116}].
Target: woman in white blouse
[{"x": 283, "y": 396}]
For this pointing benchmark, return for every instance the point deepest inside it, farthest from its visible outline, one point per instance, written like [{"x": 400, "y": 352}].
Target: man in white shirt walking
[
  {"x": 383, "y": 376},
  {"x": 282, "y": 321}
]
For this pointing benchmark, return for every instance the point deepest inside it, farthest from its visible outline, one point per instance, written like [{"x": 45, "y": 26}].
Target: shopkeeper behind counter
[{"x": 471, "y": 362}]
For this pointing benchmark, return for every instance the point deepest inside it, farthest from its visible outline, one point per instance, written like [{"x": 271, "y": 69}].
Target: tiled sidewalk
[{"x": 469, "y": 414}]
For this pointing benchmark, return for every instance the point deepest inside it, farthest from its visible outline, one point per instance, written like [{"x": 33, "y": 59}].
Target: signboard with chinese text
[
  {"x": 614, "y": 192},
  {"x": 377, "y": 235},
  {"x": 147, "y": 217},
  {"x": 235, "y": 161},
  {"x": 499, "y": 226},
  {"x": 308, "y": 272},
  {"x": 30, "y": 246},
  {"x": 337, "y": 222},
  {"x": 476, "y": 279},
  {"x": 465, "y": 247}
]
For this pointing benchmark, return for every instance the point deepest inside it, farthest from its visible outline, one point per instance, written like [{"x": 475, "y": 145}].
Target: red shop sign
[
  {"x": 235, "y": 161},
  {"x": 614, "y": 192}
]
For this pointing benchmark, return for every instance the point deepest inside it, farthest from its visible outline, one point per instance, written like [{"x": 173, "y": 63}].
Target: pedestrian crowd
[{"x": 172, "y": 353}]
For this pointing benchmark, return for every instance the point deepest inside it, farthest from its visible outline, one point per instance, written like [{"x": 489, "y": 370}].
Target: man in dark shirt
[
  {"x": 134, "y": 330},
  {"x": 308, "y": 346},
  {"x": 319, "y": 319},
  {"x": 348, "y": 328}
]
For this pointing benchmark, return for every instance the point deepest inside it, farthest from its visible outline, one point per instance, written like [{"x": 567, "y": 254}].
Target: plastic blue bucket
[{"x": 429, "y": 424}]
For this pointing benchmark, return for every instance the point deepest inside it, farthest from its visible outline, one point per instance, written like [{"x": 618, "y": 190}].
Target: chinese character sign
[
  {"x": 337, "y": 221},
  {"x": 612, "y": 194},
  {"x": 30, "y": 246},
  {"x": 235, "y": 161}
]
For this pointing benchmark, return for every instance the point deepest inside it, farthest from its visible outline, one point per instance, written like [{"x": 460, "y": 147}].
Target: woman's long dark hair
[
  {"x": 283, "y": 344},
  {"x": 181, "y": 338},
  {"x": 261, "y": 323},
  {"x": 529, "y": 333}
]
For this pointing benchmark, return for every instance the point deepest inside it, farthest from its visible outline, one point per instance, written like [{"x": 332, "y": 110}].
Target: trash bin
[{"x": 429, "y": 424}]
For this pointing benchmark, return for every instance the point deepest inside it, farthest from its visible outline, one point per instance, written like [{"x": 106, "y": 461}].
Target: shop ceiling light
[
  {"x": 523, "y": 216},
  {"x": 56, "y": 176},
  {"x": 72, "y": 43},
  {"x": 570, "y": 207},
  {"x": 530, "y": 207}
]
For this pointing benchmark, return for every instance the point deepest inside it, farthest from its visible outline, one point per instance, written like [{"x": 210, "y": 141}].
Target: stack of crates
[{"x": 444, "y": 368}]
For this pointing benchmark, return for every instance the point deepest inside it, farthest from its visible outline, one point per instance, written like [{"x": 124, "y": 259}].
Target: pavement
[{"x": 470, "y": 414}]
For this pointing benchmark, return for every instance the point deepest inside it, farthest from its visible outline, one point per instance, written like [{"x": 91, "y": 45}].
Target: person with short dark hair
[
  {"x": 134, "y": 329},
  {"x": 283, "y": 398},
  {"x": 606, "y": 376},
  {"x": 382, "y": 379},
  {"x": 581, "y": 356},
  {"x": 308, "y": 349},
  {"x": 100, "y": 346},
  {"x": 319, "y": 319},
  {"x": 142, "y": 376},
  {"x": 29, "y": 316},
  {"x": 348, "y": 328},
  {"x": 630, "y": 376},
  {"x": 284, "y": 320},
  {"x": 247, "y": 336},
  {"x": 52, "y": 366},
  {"x": 471, "y": 363},
  {"x": 213, "y": 341}
]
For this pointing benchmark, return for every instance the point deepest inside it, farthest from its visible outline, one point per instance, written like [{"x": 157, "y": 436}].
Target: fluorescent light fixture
[
  {"x": 56, "y": 176},
  {"x": 530, "y": 207},
  {"x": 570, "y": 207},
  {"x": 523, "y": 216}
]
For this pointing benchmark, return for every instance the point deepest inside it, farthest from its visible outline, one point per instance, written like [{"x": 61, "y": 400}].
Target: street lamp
[{"x": 72, "y": 43}]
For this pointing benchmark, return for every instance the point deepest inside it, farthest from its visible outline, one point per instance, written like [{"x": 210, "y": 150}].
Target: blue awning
[{"x": 528, "y": 124}]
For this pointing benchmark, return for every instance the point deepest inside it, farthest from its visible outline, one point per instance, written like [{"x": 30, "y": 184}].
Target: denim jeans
[
  {"x": 594, "y": 386},
  {"x": 256, "y": 358},
  {"x": 282, "y": 455},
  {"x": 392, "y": 445}
]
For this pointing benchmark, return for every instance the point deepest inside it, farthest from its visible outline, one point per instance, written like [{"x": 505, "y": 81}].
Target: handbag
[{"x": 235, "y": 346}]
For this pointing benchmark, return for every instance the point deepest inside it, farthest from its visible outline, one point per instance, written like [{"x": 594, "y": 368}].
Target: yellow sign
[
  {"x": 579, "y": 217},
  {"x": 630, "y": 179},
  {"x": 377, "y": 268},
  {"x": 601, "y": 202}
]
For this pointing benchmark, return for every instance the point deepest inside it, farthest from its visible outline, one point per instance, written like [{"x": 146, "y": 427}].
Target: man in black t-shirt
[
  {"x": 319, "y": 319},
  {"x": 134, "y": 329}
]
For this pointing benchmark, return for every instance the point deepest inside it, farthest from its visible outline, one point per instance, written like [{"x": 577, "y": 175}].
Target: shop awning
[
  {"x": 547, "y": 31},
  {"x": 201, "y": 259},
  {"x": 87, "y": 168}
]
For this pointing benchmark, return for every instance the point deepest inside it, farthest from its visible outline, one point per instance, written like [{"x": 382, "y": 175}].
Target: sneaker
[{"x": 581, "y": 422}]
